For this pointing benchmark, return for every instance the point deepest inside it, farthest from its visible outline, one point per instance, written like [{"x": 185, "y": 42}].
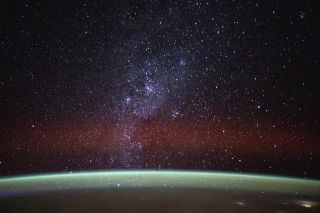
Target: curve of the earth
[{"x": 11, "y": 186}]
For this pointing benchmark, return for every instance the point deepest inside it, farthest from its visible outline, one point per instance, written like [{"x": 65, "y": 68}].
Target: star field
[{"x": 213, "y": 85}]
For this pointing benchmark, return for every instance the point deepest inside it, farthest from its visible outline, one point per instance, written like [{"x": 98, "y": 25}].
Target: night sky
[{"x": 201, "y": 85}]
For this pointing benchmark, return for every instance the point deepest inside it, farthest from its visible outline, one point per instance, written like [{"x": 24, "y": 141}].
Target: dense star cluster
[{"x": 215, "y": 85}]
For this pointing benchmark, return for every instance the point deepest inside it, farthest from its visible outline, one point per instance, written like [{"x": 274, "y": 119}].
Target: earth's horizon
[{"x": 143, "y": 191}]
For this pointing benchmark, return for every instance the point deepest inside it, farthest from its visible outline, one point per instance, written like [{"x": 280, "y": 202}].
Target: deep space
[{"x": 193, "y": 85}]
